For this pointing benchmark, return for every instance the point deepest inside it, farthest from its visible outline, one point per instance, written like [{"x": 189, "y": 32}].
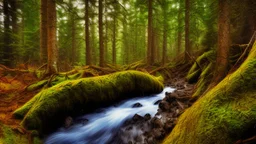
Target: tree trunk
[
  {"x": 150, "y": 59},
  {"x": 126, "y": 54},
  {"x": 224, "y": 114},
  {"x": 73, "y": 29},
  {"x": 179, "y": 29},
  {"x": 43, "y": 31},
  {"x": 102, "y": 60},
  {"x": 7, "y": 53},
  {"x": 187, "y": 30},
  {"x": 114, "y": 41},
  {"x": 51, "y": 39},
  {"x": 223, "y": 43},
  {"x": 87, "y": 34},
  {"x": 165, "y": 28}
]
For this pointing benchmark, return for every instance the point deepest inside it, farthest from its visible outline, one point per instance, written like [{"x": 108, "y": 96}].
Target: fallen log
[{"x": 46, "y": 110}]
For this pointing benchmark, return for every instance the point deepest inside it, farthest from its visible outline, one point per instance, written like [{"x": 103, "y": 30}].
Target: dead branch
[{"x": 242, "y": 57}]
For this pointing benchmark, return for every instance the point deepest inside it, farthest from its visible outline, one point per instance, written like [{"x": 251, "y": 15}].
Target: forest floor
[{"x": 13, "y": 94}]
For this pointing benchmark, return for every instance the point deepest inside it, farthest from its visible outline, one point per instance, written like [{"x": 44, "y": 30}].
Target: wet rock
[
  {"x": 136, "y": 105},
  {"x": 171, "y": 97},
  {"x": 68, "y": 122},
  {"x": 156, "y": 122},
  {"x": 169, "y": 126},
  {"x": 157, "y": 102},
  {"x": 159, "y": 133},
  {"x": 137, "y": 118},
  {"x": 147, "y": 117},
  {"x": 164, "y": 106}
]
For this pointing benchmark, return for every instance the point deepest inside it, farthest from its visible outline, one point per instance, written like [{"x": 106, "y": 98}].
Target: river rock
[
  {"x": 157, "y": 102},
  {"x": 136, "y": 105},
  {"x": 164, "y": 106},
  {"x": 156, "y": 122},
  {"x": 147, "y": 117},
  {"x": 68, "y": 122},
  {"x": 137, "y": 118}
]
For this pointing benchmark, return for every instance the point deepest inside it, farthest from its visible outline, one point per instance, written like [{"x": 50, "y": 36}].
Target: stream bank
[{"x": 147, "y": 129}]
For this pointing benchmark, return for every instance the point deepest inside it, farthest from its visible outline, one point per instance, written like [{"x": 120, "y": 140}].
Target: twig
[
  {"x": 194, "y": 61},
  {"x": 244, "y": 53}
]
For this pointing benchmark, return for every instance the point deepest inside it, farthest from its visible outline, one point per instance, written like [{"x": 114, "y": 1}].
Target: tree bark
[
  {"x": 165, "y": 28},
  {"x": 187, "y": 30},
  {"x": 179, "y": 29},
  {"x": 102, "y": 60},
  {"x": 223, "y": 42},
  {"x": 73, "y": 29},
  {"x": 114, "y": 41},
  {"x": 150, "y": 59},
  {"x": 87, "y": 34},
  {"x": 43, "y": 32},
  {"x": 51, "y": 39},
  {"x": 7, "y": 53}
]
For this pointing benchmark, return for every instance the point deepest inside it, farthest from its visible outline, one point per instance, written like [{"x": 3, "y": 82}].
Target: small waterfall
[{"x": 100, "y": 127}]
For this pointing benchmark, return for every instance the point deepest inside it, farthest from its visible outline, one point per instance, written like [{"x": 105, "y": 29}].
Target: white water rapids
[{"x": 103, "y": 125}]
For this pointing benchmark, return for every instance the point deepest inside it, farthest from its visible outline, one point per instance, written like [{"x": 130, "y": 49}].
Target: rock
[
  {"x": 159, "y": 133},
  {"x": 169, "y": 126},
  {"x": 147, "y": 117},
  {"x": 157, "y": 102},
  {"x": 137, "y": 118},
  {"x": 68, "y": 122},
  {"x": 156, "y": 122},
  {"x": 164, "y": 106},
  {"x": 136, "y": 105}
]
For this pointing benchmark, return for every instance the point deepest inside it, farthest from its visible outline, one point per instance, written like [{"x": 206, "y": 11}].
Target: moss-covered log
[
  {"x": 223, "y": 114},
  {"x": 70, "y": 98}
]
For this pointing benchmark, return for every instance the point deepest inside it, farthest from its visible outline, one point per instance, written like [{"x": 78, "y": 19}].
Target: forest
[{"x": 127, "y": 71}]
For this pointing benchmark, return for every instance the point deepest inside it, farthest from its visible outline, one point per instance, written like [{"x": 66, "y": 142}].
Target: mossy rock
[
  {"x": 49, "y": 108},
  {"x": 223, "y": 114}
]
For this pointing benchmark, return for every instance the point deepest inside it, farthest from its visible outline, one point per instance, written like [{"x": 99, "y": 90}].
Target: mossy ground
[{"x": 224, "y": 113}]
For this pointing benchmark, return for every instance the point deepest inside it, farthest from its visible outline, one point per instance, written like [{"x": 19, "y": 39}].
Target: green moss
[
  {"x": 204, "y": 80},
  {"x": 224, "y": 113},
  {"x": 193, "y": 77},
  {"x": 37, "y": 85},
  {"x": 199, "y": 66},
  {"x": 11, "y": 137},
  {"x": 71, "y": 97}
]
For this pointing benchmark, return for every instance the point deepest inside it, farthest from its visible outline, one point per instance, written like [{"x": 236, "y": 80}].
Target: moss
[
  {"x": 36, "y": 85},
  {"x": 193, "y": 77},
  {"x": 224, "y": 113},
  {"x": 204, "y": 80},
  {"x": 9, "y": 136},
  {"x": 50, "y": 106},
  {"x": 200, "y": 64}
]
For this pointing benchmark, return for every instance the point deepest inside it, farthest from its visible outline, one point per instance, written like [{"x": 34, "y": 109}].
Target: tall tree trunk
[
  {"x": 179, "y": 29},
  {"x": 165, "y": 25},
  {"x": 114, "y": 41},
  {"x": 73, "y": 29},
  {"x": 51, "y": 39},
  {"x": 126, "y": 55},
  {"x": 102, "y": 60},
  {"x": 223, "y": 43},
  {"x": 93, "y": 42},
  {"x": 7, "y": 53},
  {"x": 43, "y": 32},
  {"x": 87, "y": 34},
  {"x": 150, "y": 59},
  {"x": 187, "y": 29}
]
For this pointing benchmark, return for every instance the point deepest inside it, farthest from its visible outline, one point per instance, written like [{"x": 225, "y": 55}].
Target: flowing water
[{"x": 100, "y": 127}]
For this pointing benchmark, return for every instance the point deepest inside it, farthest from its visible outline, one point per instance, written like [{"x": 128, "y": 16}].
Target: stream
[{"x": 100, "y": 127}]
